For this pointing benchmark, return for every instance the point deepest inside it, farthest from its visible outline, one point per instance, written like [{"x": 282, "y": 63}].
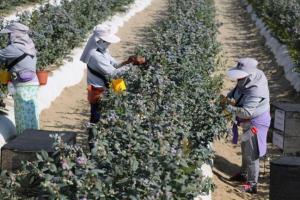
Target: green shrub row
[
  {"x": 153, "y": 138},
  {"x": 7, "y": 5},
  {"x": 56, "y": 30},
  {"x": 282, "y": 18}
]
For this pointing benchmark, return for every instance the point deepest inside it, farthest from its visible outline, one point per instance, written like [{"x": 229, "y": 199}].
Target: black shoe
[
  {"x": 250, "y": 188},
  {"x": 239, "y": 177}
]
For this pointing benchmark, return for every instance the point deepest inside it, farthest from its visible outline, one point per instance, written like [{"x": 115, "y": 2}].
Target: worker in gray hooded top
[
  {"x": 19, "y": 58},
  {"x": 252, "y": 110},
  {"x": 101, "y": 65}
]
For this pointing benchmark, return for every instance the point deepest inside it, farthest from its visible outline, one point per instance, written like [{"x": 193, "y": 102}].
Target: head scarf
[
  {"x": 19, "y": 38},
  {"x": 256, "y": 83},
  {"x": 101, "y": 32}
]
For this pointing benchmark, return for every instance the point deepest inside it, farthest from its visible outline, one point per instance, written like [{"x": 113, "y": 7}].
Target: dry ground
[
  {"x": 70, "y": 111},
  {"x": 240, "y": 38}
]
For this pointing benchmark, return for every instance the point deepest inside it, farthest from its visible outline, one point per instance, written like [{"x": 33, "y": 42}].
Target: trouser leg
[
  {"x": 95, "y": 113},
  {"x": 95, "y": 117},
  {"x": 244, "y": 161},
  {"x": 251, "y": 157},
  {"x": 253, "y": 171},
  {"x": 92, "y": 132}
]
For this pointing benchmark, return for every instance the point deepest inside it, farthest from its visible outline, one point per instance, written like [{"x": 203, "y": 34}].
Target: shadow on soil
[{"x": 245, "y": 41}]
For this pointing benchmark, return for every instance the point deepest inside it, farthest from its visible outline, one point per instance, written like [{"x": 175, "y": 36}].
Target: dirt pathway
[
  {"x": 240, "y": 38},
  {"x": 70, "y": 111}
]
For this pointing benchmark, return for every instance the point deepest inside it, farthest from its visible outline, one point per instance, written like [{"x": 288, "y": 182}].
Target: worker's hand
[
  {"x": 226, "y": 101},
  {"x": 130, "y": 59},
  {"x": 137, "y": 60},
  {"x": 126, "y": 62},
  {"x": 223, "y": 100},
  {"x": 231, "y": 109}
]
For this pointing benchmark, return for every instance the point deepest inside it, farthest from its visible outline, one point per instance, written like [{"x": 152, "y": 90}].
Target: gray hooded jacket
[
  {"x": 251, "y": 94},
  {"x": 19, "y": 43}
]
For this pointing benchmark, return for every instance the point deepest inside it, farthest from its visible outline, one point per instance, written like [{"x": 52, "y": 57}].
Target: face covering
[
  {"x": 242, "y": 82},
  {"x": 102, "y": 45},
  {"x": 9, "y": 41}
]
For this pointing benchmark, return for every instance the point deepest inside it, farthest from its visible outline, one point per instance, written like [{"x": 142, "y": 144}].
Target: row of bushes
[
  {"x": 282, "y": 17},
  {"x": 7, "y": 5},
  {"x": 153, "y": 138},
  {"x": 56, "y": 30}
]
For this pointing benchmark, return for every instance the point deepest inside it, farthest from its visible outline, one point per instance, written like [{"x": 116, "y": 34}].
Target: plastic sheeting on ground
[{"x": 279, "y": 50}]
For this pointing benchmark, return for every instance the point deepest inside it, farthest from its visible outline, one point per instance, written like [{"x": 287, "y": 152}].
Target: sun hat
[
  {"x": 105, "y": 33},
  {"x": 244, "y": 68},
  {"x": 15, "y": 26}
]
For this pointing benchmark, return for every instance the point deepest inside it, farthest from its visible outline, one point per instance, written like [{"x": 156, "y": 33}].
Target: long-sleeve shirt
[
  {"x": 249, "y": 107},
  {"x": 106, "y": 65},
  {"x": 10, "y": 53}
]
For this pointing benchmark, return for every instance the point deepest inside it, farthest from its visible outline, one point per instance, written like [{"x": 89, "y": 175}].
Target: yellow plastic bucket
[
  {"x": 118, "y": 85},
  {"x": 4, "y": 76}
]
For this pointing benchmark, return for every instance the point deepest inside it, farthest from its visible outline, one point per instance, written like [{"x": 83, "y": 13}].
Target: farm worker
[
  {"x": 252, "y": 111},
  {"x": 19, "y": 57},
  {"x": 101, "y": 64}
]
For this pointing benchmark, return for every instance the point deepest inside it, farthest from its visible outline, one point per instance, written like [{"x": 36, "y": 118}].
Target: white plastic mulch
[
  {"x": 279, "y": 50},
  {"x": 71, "y": 73},
  {"x": 14, "y": 16}
]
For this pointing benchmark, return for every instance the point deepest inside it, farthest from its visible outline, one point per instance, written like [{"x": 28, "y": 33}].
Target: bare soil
[
  {"x": 70, "y": 111},
  {"x": 240, "y": 38}
]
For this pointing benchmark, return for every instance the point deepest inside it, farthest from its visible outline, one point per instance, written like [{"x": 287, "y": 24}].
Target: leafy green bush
[
  {"x": 8, "y": 5},
  {"x": 153, "y": 138},
  {"x": 67, "y": 174},
  {"x": 282, "y": 17},
  {"x": 56, "y": 30}
]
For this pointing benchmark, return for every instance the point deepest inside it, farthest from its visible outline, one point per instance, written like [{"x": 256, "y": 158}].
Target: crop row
[
  {"x": 8, "y": 5},
  {"x": 153, "y": 138},
  {"x": 56, "y": 30},
  {"x": 282, "y": 18}
]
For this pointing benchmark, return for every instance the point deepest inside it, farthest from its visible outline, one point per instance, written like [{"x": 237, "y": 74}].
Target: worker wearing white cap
[
  {"x": 252, "y": 105},
  {"x": 100, "y": 65}
]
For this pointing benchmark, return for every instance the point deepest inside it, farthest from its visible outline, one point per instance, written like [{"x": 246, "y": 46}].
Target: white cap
[
  {"x": 244, "y": 68},
  {"x": 105, "y": 33}
]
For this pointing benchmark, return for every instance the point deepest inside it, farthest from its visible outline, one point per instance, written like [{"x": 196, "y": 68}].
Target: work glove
[
  {"x": 230, "y": 113},
  {"x": 137, "y": 60},
  {"x": 232, "y": 109},
  {"x": 224, "y": 101},
  {"x": 128, "y": 61}
]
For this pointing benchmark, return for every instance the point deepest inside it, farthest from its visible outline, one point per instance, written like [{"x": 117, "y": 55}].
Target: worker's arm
[
  {"x": 3, "y": 56},
  {"x": 8, "y": 54},
  {"x": 103, "y": 65},
  {"x": 116, "y": 64},
  {"x": 247, "y": 111},
  {"x": 113, "y": 61}
]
